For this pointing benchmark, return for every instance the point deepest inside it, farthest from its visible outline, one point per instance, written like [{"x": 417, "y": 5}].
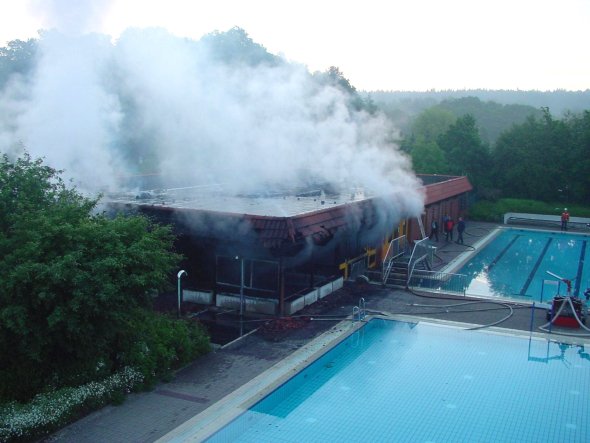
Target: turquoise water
[
  {"x": 404, "y": 382},
  {"x": 516, "y": 262}
]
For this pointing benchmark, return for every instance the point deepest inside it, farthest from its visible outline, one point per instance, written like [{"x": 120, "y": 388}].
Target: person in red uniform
[
  {"x": 449, "y": 224},
  {"x": 565, "y": 217}
]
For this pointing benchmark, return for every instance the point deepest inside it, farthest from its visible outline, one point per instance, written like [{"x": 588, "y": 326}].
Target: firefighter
[{"x": 565, "y": 217}]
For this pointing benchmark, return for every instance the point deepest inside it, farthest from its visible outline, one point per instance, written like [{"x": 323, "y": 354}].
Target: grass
[{"x": 493, "y": 211}]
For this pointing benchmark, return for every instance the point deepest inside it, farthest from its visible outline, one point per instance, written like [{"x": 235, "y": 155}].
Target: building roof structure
[
  {"x": 441, "y": 187},
  {"x": 279, "y": 218}
]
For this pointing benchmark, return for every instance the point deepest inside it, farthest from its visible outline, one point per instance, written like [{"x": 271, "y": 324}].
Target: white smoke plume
[
  {"x": 70, "y": 118},
  {"x": 153, "y": 102}
]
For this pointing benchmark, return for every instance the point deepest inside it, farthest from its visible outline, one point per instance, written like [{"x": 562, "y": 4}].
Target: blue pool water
[
  {"x": 397, "y": 381},
  {"x": 515, "y": 264}
]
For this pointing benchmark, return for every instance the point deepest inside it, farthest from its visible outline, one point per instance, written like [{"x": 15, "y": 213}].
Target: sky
[{"x": 397, "y": 45}]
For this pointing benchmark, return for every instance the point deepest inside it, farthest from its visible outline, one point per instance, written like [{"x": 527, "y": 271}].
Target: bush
[
  {"x": 161, "y": 344},
  {"x": 69, "y": 278},
  {"x": 50, "y": 411},
  {"x": 157, "y": 346}
]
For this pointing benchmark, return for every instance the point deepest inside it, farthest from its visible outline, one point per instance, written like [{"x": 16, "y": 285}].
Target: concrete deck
[{"x": 234, "y": 372}]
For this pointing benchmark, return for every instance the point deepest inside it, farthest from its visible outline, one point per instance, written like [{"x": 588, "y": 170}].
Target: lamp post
[{"x": 179, "y": 276}]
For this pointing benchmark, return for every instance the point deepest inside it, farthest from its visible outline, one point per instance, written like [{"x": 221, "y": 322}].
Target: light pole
[{"x": 179, "y": 276}]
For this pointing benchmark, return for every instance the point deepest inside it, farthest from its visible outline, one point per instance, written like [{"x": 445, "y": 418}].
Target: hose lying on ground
[{"x": 499, "y": 304}]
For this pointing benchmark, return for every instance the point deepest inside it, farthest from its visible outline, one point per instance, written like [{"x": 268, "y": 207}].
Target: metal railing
[
  {"x": 396, "y": 248},
  {"x": 422, "y": 251},
  {"x": 440, "y": 282},
  {"x": 359, "y": 312}
]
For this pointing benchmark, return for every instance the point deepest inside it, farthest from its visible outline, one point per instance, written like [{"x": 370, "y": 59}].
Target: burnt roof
[
  {"x": 214, "y": 198},
  {"x": 279, "y": 218},
  {"x": 272, "y": 231}
]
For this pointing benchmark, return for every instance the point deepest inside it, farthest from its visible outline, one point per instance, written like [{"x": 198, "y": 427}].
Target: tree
[
  {"x": 492, "y": 118},
  {"x": 541, "y": 159},
  {"x": 17, "y": 57},
  {"x": 428, "y": 158},
  {"x": 422, "y": 146},
  {"x": 71, "y": 280},
  {"x": 465, "y": 152},
  {"x": 235, "y": 47},
  {"x": 334, "y": 77},
  {"x": 432, "y": 123},
  {"x": 579, "y": 158},
  {"x": 337, "y": 78}
]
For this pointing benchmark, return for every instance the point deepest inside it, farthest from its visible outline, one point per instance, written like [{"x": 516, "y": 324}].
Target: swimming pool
[
  {"x": 399, "y": 381},
  {"x": 515, "y": 264}
]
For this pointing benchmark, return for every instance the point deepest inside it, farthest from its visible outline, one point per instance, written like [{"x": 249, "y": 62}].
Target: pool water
[
  {"x": 398, "y": 381},
  {"x": 515, "y": 264}
]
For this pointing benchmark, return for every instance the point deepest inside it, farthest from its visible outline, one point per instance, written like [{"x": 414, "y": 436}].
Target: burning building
[{"x": 275, "y": 252}]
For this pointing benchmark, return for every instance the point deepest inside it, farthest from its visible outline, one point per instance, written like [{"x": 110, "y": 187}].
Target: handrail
[
  {"x": 425, "y": 250},
  {"x": 362, "y": 308},
  {"x": 395, "y": 246},
  {"x": 356, "y": 311},
  {"x": 359, "y": 310}
]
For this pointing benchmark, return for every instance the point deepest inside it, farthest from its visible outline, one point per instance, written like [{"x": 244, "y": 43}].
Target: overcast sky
[{"x": 377, "y": 44}]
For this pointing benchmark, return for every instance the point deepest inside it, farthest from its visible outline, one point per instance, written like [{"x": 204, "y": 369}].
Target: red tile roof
[{"x": 440, "y": 191}]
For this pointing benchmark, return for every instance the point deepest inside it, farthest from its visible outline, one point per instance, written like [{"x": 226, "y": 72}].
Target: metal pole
[
  {"x": 241, "y": 296},
  {"x": 179, "y": 276}
]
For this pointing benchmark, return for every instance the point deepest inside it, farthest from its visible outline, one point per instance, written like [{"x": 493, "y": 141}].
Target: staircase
[
  {"x": 399, "y": 260},
  {"x": 398, "y": 276}
]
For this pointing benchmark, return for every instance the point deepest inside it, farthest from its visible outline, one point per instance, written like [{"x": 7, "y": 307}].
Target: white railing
[
  {"x": 396, "y": 248},
  {"x": 422, "y": 251},
  {"x": 359, "y": 312}
]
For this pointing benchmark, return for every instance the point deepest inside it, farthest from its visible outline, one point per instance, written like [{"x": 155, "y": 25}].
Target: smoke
[
  {"x": 70, "y": 118},
  {"x": 153, "y": 102},
  {"x": 70, "y": 17}
]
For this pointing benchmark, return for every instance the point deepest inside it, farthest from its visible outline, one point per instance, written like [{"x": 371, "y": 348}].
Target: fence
[{"x": 440, "y": 282}]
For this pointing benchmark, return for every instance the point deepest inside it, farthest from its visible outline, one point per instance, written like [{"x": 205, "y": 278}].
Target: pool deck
[{"x": 216, "y": 387}]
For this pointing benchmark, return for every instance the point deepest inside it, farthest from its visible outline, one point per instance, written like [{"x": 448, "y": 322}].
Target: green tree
[
  {"x": 71, "y": 280},
  {"x": 578, "y": 167},
  {"x": 465, "y": 152},
  {"x": 432, "y": 123},
  {"x": 535, "y": 160},
  {"x": 428, "y": 158},
  {"x": 422, "y": 146},
  {"x": 492, "y": 118}
]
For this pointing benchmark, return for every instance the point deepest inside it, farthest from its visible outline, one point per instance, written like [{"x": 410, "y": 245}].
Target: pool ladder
[{"x": 359, "y": 312}]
